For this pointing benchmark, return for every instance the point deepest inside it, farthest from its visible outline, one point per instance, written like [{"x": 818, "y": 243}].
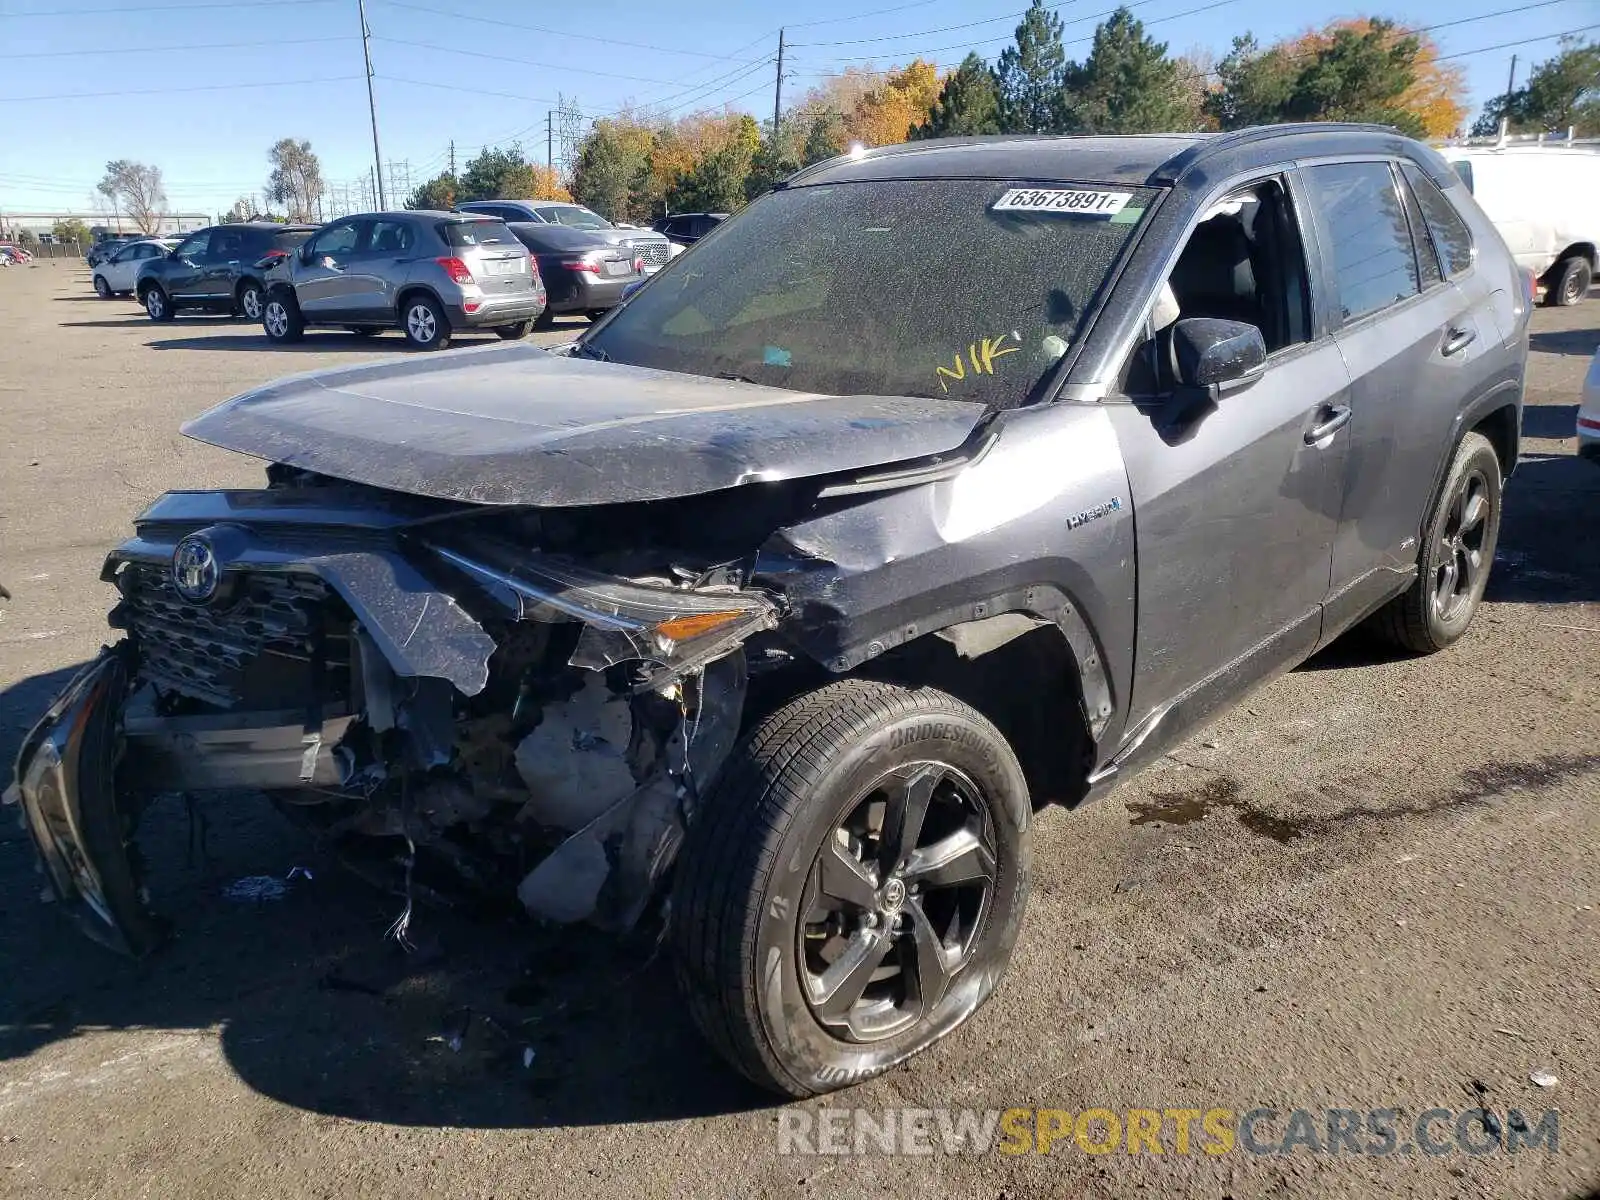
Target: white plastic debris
[
  {"x": 527, "y": 1057},
  {"x": 1543, "y": 1078}
]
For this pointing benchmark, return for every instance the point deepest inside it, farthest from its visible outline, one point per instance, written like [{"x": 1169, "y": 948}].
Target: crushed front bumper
[{"x": 66, "y": 788}]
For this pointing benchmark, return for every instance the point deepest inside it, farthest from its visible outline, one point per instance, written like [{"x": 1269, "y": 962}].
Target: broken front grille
[{"x": 253, "y": 650}]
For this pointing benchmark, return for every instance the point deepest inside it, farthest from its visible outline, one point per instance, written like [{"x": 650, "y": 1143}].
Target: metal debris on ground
[{"x": 1543, "y": 1079}]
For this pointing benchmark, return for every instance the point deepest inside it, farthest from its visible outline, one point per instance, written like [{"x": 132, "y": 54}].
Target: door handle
[
  {"x": 1456, "y": 340},
  {"x": 1334, "y": 418}
]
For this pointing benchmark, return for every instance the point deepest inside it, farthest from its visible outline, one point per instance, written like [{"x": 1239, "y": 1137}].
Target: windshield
[
  {"x": 971, "y": 289},
  {"x": 575, "y": 215}
]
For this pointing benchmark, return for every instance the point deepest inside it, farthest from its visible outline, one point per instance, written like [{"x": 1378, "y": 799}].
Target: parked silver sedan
[{"x": 426, "y": 273}]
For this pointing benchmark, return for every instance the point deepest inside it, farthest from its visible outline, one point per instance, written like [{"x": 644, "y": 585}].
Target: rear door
[
  {"x": 1411, "y": 341},
  {"x": 324, "y": 284},
  {"x": 374, "y": 277},
  {"x": 223, "y": 262}
]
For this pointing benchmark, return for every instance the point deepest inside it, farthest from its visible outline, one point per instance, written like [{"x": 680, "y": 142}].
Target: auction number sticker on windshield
[{"x": 1060, "y": 200}]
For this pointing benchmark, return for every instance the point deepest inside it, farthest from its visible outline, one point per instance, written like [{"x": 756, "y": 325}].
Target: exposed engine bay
[{"x": 410, "y": 677}]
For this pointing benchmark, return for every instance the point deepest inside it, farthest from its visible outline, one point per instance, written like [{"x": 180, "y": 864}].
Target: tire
[
  {"x": 747, "y": 899},
  {"x": 249, "y": 301},
  {"x": 1456, "y": 556},
  {"x": 425, "y": 325},
  {"x": 157, "y": 303},
  {"x": 281, "y": 319},
  {"x": 597, "y": 314},
  {"x": 1569, "y": 282},
  {"x": 515, "y": 331},
  {"x": 101, "y": 287}
]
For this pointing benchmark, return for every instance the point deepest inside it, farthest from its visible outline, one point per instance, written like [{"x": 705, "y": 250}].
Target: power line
[
  {"x": 895, "y": 37},
  {"x": 92, "y": 12},
  {"x": 877, "y": 12},
  {"x": 210, "y": 87},
  {"x": 526, "y": 62},
  {"x": 584, "y": 37},
  {"x": 475, "y": 91},
  {"x": 164, "y": 49}
]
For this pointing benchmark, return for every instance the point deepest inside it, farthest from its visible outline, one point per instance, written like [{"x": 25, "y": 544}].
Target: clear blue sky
[{"x": 86, "y": 81}]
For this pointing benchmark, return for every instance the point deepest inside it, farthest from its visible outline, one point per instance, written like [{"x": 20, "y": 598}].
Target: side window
[
  {"x": 1464, "y": 169},
  {"x": 194, "y": 248},
  {"x": 1427, "y": 255},
  {"x": 1369, "y": 241},
  {"x": 1243, "y": 262},
  {"x": 391, "y": 238},
  {"x": 226, "y": 245},
  {"x": 552, "y": 215},
  {"x": 337, "y": 241},
  {"x": 1451, "y": 237}
]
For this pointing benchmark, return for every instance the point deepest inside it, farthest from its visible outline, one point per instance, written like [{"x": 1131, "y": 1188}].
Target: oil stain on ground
[{"x": 1477, "y": 786}]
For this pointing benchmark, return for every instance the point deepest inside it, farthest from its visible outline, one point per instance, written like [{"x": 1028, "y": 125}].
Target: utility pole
[
  {"x": 452, "y": 158},
  {"x": 372, "y": 105},
  {"x": 550, "y": 138},
  {"x": 1511, "y": 81},
  {"x": 777, "y": 91}
]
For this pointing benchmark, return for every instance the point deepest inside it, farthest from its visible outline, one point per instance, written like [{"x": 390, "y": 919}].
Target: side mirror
[
  {"x": 1211, "y": 353},
  {"x": 305, "y": 253}
]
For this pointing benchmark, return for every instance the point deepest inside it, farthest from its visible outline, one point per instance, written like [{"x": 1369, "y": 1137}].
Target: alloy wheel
[
  {"x": 155, "y": 303},
  {"x": 420, "y": 323},
  {"x": 895, "y": 901},
  {"x": 250, "y": 302},
  {"x": 1461, "y": 560},
  {"x": 276, "y": 318}
]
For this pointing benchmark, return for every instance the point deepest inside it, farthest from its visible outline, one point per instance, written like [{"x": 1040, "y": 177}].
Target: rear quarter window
[
  {"x": 1449, "y": 231},
  {"x": 463, "y": 234},
  {"x": 291, "y": 239}
]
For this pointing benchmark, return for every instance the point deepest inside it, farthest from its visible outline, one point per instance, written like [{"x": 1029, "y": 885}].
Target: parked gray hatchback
[
  {"x": 770, "y": 611},
  {"x": 426, "y": 273}
]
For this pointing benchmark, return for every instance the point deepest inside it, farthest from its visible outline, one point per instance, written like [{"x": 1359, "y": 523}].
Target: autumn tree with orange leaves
[{"x": 1437, "y": 94}]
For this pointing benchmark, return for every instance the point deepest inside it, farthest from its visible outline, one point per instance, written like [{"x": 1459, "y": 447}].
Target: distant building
[{"x": 13, "y": 223}]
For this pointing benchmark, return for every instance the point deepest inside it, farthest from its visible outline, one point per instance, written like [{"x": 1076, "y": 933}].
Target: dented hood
[{"x": 515, "y": 424}]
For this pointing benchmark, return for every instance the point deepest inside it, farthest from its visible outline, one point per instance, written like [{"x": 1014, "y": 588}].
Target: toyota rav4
[{"x": 773, "y": 608}]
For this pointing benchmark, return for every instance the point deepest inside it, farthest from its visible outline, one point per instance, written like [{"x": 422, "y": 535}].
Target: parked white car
[
  {"x": 1545, "y": 201},
  {"x": 117, "y": 274},
  {"x": 1589, "y": 413}
]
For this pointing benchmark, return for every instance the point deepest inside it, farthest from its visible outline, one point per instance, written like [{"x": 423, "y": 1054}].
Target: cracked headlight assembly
[{"x": 680, "y": 630}]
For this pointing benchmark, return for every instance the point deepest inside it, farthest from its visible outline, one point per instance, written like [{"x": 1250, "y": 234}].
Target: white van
[{"x": 1545, "y": 201}]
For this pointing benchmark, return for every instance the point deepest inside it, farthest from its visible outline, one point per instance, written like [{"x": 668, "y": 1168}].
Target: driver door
[
  {"x": 1238, "y": 503},
  {"x": 185, "y": 280}
]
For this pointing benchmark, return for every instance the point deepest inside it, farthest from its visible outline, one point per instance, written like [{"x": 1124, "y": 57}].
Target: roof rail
[{"x": 1182, "y": 161}]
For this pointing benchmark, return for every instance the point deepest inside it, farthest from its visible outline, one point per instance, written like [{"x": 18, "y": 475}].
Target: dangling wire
[{"x": 400, "y": 931}]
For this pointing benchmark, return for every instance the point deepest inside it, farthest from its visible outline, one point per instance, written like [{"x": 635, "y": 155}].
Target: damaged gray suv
[{"x": 946, "y": 482}]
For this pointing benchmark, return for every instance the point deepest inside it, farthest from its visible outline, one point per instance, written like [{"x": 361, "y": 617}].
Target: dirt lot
[{"x": 1373, "y": 886}]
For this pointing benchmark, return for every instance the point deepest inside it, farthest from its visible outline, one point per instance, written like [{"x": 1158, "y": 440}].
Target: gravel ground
[{"x": 1371, "y": 886}]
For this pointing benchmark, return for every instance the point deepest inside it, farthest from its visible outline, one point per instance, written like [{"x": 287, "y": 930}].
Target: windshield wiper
[
  {"x": 586, "y": 350},
  {"x": 736, "y": 377}
]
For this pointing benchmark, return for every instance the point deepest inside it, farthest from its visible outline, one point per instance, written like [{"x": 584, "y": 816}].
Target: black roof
[
  {"x": 1148, "y": 159},
  {"x": 277, "y": 226},
  {"x": 557, "y": 238}
]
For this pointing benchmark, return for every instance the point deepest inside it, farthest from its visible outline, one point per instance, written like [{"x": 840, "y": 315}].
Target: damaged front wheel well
[{"x": 1028, "y": 686}]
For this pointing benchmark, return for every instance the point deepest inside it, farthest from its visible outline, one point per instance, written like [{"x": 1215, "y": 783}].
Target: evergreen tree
[
  {"x": 1032, "y": 74},
  {"x": 1127, "y": 84},
  {"x": 968, "y": 105}
]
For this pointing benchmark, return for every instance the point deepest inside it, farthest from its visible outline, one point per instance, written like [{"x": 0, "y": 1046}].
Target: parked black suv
[
  {"x": 688, "y": 228},
  {"x": 220, "y": 269}
]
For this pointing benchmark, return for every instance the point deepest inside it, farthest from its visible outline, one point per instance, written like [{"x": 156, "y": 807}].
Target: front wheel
[
  {"x": 1457, "y": 552},
  {"x": 425, "y": 324},
  {"x": 1570, "y": 282},
  {"x": 281, "y": 319},
  {"x": 101, "y": 287},
  {"x": 851, "y": 887},
  {"x": 158, "y": 304}
]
